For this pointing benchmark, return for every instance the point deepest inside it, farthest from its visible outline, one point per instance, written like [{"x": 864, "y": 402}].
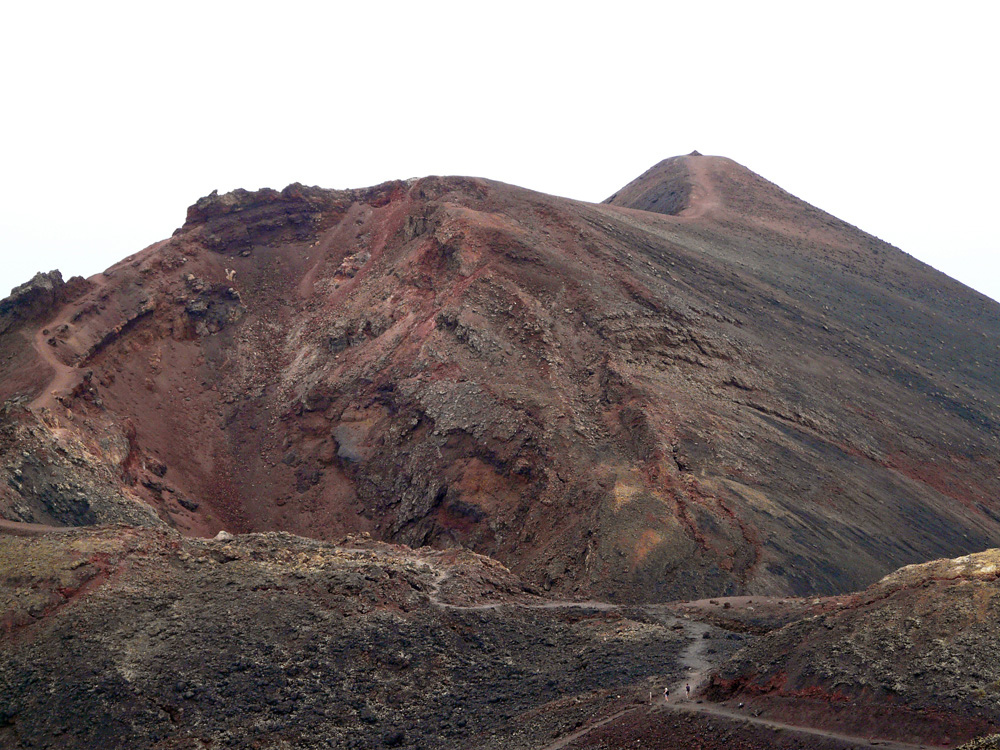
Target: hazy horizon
[{"x": 120, "y": 116}]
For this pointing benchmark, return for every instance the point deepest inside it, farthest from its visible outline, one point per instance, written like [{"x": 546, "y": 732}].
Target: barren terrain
[
  {"x": 501, "y": 467},
  {"x": 124, "y": 637},
  {"x": 738, "y": 395}
]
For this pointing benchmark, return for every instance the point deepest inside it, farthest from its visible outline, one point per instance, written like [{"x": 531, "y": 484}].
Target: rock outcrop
[
  {"x": 52, "y": 479},
  {"x": 30, "y": 299}
]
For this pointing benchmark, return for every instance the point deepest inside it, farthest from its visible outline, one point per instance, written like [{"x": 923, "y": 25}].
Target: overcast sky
[{"x": 115, "y": 117}]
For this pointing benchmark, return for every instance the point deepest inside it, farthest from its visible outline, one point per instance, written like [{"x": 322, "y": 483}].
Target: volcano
[{"x": 703, "y": 386}]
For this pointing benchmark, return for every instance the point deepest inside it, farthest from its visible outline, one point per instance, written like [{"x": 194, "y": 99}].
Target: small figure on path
[
  {"x": 688, "y": 688},
  {"x": 666, "y": 693}
]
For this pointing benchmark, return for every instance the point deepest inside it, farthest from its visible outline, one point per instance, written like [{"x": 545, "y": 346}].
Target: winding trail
[
  {"x": 63, "y": 375},
  {"x": 441, "y": 576},
  {"x": 22, "y": 528},
  {"x": 714, "y": 709},
  {"x": 566, "y": 739},
  {"x": 693, "y": 658}
]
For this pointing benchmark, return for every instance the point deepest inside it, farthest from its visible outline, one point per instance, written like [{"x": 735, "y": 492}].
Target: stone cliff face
[{"x": 738, "y": 394}]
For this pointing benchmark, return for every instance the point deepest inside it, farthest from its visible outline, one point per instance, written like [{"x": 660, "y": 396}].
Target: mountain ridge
[{"x": 741, "y": 396}]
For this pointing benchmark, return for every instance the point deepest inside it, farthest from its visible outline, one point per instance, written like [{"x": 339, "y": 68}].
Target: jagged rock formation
[
  {"x": 913, "y": 655},
  {"x": 37, "y": 297},
  {"x": 738, "y": 394}
]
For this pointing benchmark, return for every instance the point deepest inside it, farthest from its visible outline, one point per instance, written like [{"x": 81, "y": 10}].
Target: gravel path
[{"x": 695, "y": 660}]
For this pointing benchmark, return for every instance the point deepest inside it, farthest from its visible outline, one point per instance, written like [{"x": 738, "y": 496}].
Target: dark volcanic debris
[
  {"x": 122, "y": 637},
  {"x": 54, "y": 479}
]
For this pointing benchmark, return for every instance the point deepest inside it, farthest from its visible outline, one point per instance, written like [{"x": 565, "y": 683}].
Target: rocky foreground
[
  {"x": 126, "y": 637},
  {"x": 135, "y": 637}
]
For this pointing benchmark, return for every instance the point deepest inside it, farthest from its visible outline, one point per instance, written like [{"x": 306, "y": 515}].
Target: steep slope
[
  {"x": 914, "y": 654},
  {"x": 745, "y": 395}
]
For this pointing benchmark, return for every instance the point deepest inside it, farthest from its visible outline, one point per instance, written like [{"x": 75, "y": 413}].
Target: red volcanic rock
[{"x": 738, "y": 394}]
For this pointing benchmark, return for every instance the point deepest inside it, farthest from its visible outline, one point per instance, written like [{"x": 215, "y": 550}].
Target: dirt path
[
  {"x": 555, "y": 604},
  {"x": 441, "y": 576},
  {"x": 563, "y": 741},
  {"x": 64, "y": 376},
  {"x": 704, "y": 197},
  {"x": 20, "y": 528},
  {"x": 693, "y": 658},
  {"x": 713, "y": 709},
  {"x": 719, "y": 711}
]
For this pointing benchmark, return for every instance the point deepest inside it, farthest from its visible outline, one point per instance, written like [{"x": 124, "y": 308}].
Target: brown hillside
[{"x": 746, "y": 395}]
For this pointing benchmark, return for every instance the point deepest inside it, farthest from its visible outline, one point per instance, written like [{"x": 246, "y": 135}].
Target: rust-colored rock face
[{"x": 702, "y": 387}]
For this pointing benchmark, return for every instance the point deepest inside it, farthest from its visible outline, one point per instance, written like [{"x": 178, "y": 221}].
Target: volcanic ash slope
[{"x": 704, "y": 386}]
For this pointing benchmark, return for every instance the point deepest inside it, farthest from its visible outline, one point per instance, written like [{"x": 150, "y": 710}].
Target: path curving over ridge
[{"x": 684, "y": 693}]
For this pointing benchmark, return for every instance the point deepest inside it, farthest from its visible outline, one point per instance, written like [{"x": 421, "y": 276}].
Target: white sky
[{"x": 114, "y": 117}]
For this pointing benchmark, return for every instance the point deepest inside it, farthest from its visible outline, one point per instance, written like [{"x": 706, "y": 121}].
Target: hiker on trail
[
  {"x": 688, "y": 688},
  {"x": 666, "y": 693}
]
